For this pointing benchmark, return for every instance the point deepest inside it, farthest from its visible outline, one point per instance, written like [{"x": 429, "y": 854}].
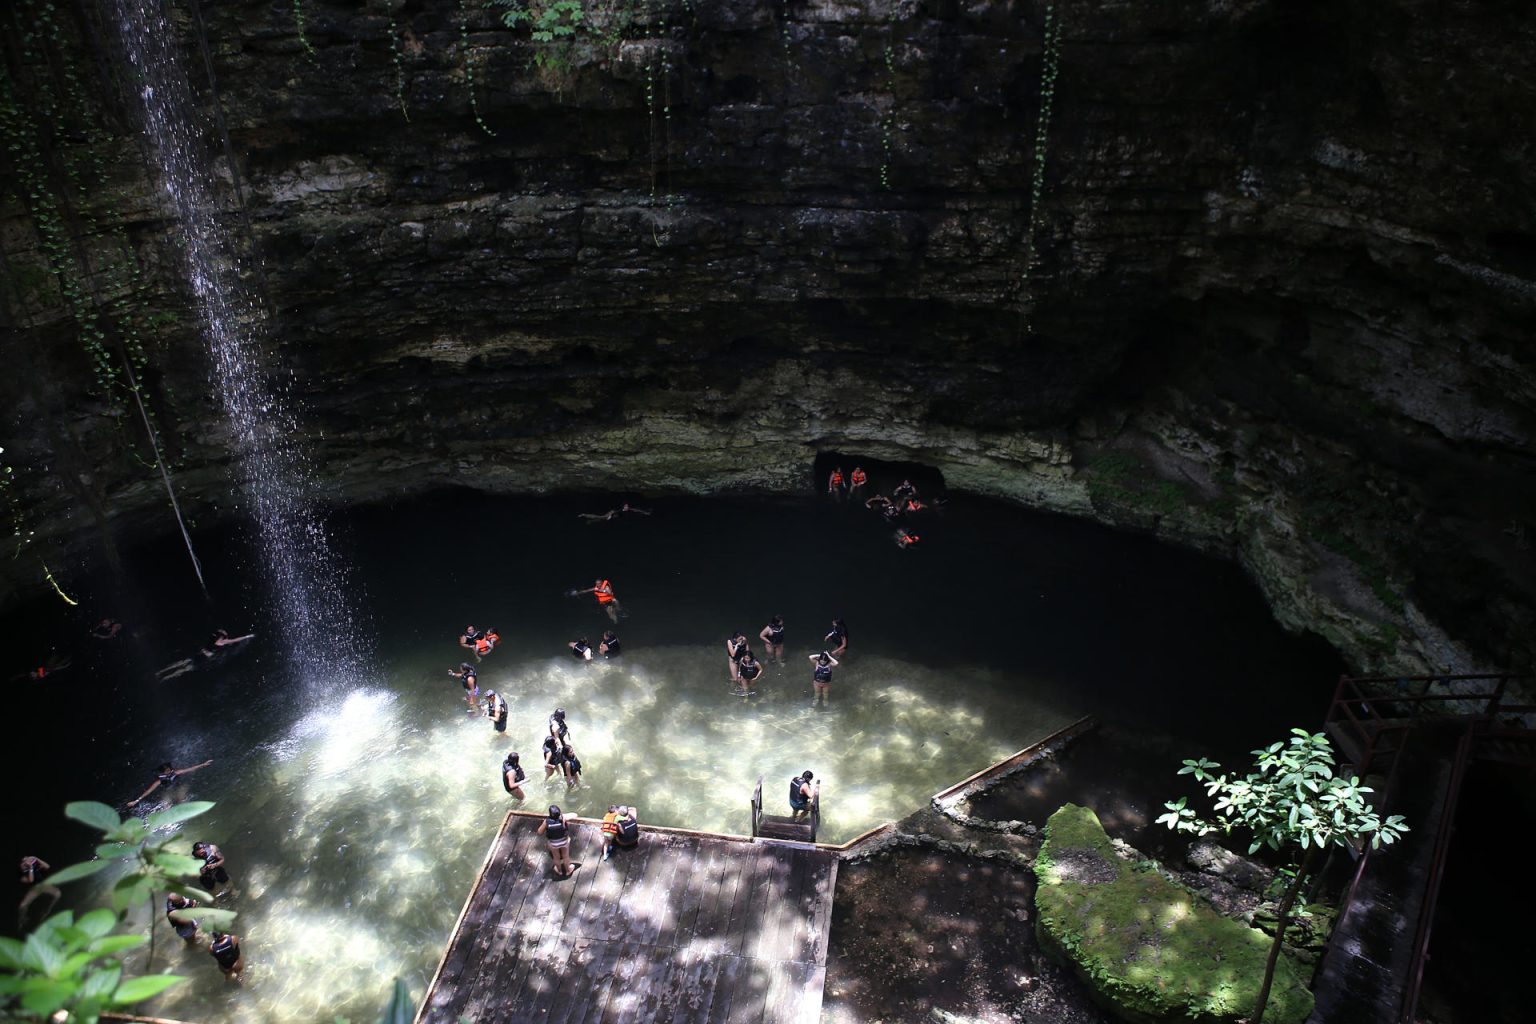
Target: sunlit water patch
[{"x": 354, "y": 837}]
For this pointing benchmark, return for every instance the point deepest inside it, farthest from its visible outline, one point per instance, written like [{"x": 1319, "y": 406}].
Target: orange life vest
[
  {"x": 858, "y": 478},
  {"x": 484, "y": 645},
  {"x": 836, "y": 481},
  {"x": 604, "y": 592}
]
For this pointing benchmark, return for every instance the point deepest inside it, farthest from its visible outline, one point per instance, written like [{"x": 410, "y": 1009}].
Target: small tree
[
  {"x": 77, "y": 965},
  {"x": 1292, "y": 801}
]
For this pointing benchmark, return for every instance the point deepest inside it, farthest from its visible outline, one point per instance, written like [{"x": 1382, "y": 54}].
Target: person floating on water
[
  {"x": 471, "y": 637},
  {"x": 821, "y": 675},
  {"x": 835, "y": 482},
  {"x": 621, "y": 828},
  {"x": 165, "y": 775},
  {"x": 212, "y": 875},
  {"x": 748, "y": 669},
  {"x": 219, "y": 643},
  {"x": 735, "y": 647},
  {"x": 106, "y": 629},
  {"x": 803, "y": 790},
  {"x": 32, "y": 871},
  {"x": 906, "y": 538},
  {"x": 580, "y": 649},
  {"x": 837, "y": 638},
  {"x": 513, "y": 776},
  {"x": 471, "y": 679},
  {"x": 496, "y": 710},
  {"x": 176, "y": 912},
  {"x": 889, "y": 510},
  {"x": 603, "y": 590},
  {"x": 54, "y": 664},
  {"x": 487, "y": 642},
  {"x": 557, "y": 833},
  {"x": 608, "y": 647},
  {"x": 903, "y": 492},
  {"x": 225, "y": 950},
  {"x": 772, "y": 636},
  {"x": 613, "y": 513}
]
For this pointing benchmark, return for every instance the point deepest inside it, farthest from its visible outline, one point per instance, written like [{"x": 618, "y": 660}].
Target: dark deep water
[{"x": 360, "y": 813}]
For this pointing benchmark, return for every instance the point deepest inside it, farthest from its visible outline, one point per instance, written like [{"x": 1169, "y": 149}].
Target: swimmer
[
  {"x": 748, "y": 669},
  {"x": 821, "y": 676},
  {"x": 471, "y": 637},
  {"x": 212, "y": 876},
  {"x": 903, "y": 491},
  {"x": 856, "y": 479},
  {"x": 557, "y": 726},
  {"x": 106, "y": 629},
  {"x": 557, "y": 833},
  {"x": 735, "y": 647},
  {"x": 906, "y": 538},
  {"x": 165, "y": 775},
  {"x": 571, "y": 766},
  {"x": 471, "y": 679},
  {"x": 496, "y": 710},
  {"x": 603, "y": 591},
  {"x": 613, "y": 513},
  {"x": 488, "y": 642},
  {"x": 621, "y": 828},
  {"x": 176, "y": 906},
  {"x": 772, "y": 637},
  {"x": 225, "y": 950},
  {"x": 553, "y": 760},
  {"x": 803, "y": 792},
  {"x": 513, "y": 776},
  {"x": 55, "y": 663},
  {"x": 608, "y": 647},
  {"x": 222, "y": 639},
  {"x": 32, "y": 871},
  {"x": 837, "y": 639},
  {"x": 580, "y": 649},
  {"x": 835, "y": 482}
]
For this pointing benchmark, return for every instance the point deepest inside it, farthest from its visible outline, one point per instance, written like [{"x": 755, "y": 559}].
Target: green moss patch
[{"x": 1146, "y": 947}]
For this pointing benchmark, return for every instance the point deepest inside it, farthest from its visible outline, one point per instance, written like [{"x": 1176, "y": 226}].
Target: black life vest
[{"x": 554, "y": 829}]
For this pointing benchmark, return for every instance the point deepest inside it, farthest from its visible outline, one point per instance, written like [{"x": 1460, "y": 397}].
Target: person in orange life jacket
[
  {"x": 512, "y": 775},
  {"x": 487, "y": 642},
  {"x": 856, "y": 479},
  {"x": 603, "y": 591},
  {"x": 609, "y": 646},
  {"x": 772, "y": 636},
  {"x": 470, "y": 638},
  {"x": 735, "y": 647},
  {"x": 621, "y": 828},
  {"x": 176, "y": 906},
  {"x": 496, "y": 710},
  {"x": 748, "y": 669},
  {"x": 837, "y": 639},
  {"x": 55, "y": 663},
  {"x": 835, "y": 481},
  {"x": 580, "y": 649},
  {"x": 802, "y": 790},
  {"x": 906, "y": 538},
  {"x": 821, "y": 675},
  {"x": 165, "y": 775},
  {"x": 557, "y": 833},
  {"x": 913, "y": 505},
  {"x": 471, "y": 679}
]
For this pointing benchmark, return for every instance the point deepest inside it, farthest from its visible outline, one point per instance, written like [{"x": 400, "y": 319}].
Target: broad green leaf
[
  {"x": 116, "y": 851},
  {"x": 10, "y": 953},
  {"x": 175, "y": 864},
  {"x": 179, "y": 813},
  {"x": 115, "y": 944},
  {"x": 131, "y": 890},
  {"x": 98, "y": 816},
  {"x": 146, "y": 987},
  {"x": 213, "y": 917},
  {"x": 38, "y": 954},
  {"x": 48, "y": 997},
  {"x": 100, "y": 984},
  {"x": 130, "y": 831},
  {"x": 77, "y": 871},
  {"x": 97, "y": 923},
  {"x": 72, "y": 964}
]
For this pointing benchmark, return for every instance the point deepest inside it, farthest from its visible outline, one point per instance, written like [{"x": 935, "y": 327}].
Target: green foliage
[
  {"x": 1118, "y": 478},
  {"x": 1140, "y": 940},
  {"x": 1292, "y": 797},
  {"x": 558, "y": 24},
  {"x": 78, "y": 965},
  {"x": 298, "y": 26}
]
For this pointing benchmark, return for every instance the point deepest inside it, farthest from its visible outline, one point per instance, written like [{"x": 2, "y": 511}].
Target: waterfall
[{"x": 307, "y": 582}]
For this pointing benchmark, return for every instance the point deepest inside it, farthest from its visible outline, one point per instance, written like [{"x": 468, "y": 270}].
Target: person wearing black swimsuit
[
  {"x": 773, "y": 640},
  {"x": 513, "y": 776}
]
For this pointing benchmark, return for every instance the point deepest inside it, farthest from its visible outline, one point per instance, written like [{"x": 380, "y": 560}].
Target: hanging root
[{"x": 48, "y": 575}]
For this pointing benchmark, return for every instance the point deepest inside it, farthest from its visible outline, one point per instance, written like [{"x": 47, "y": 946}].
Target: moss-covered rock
[{"x": 1146, "y": 947}]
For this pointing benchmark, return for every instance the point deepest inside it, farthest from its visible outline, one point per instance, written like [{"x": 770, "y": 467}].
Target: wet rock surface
[{"x": 1279, "y": 310}]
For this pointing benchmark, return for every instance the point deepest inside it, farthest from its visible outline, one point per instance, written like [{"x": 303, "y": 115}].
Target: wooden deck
[{"x": 686, "y": 927}]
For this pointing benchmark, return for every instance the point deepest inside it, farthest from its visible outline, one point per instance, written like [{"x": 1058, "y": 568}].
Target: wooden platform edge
[
  {"x": 968, "y": 786},
  {"x": 458, "y": 922},
  {"x": 668, "y": 829}
]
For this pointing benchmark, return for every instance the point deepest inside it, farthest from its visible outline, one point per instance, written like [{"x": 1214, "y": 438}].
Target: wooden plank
[
  {"x": 597, "y": 977},
  {"x": 715, "y": 898},
  {"x": 691, "y": 992},
  {"x": 812, "y": 993},
  {"x": 727, "y": 977},
  {"x": 787, "y": 984},
  {"x": 821, "y": 917},
  {"x": 799, "y": 899},
  {"x": 750, "y": 995},
  {"x": 687, "y": 893},
  {"x": 497, "y": 944},
  {"x": 778, "y": 906},
  {"x": 468, "y": 943},
  {"x": 742, "y": 913},
  {"x": 958, "y": 790},
  {"x": 647, "y": 898}
]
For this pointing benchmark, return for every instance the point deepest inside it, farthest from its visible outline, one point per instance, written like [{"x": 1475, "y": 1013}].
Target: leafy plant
[
  {"x": 1292, "y": 799},
  {"x": 78, "y": 965}
]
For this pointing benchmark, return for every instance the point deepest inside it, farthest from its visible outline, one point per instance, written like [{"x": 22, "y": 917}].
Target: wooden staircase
[{"x": 781, "y": 827}]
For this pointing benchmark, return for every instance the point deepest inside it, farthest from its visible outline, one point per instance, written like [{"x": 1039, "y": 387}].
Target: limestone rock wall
[{"x": 1280, "y": 305}]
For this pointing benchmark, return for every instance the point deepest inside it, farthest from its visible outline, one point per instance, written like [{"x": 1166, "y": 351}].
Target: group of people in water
[
  {"x": 904, "y": 501},
  {"x": 745, "y": 669}
]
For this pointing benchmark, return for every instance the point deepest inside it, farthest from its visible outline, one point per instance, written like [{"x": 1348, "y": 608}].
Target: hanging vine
[
  {"x": 1049, "y": 63},
  {"x": 298, "y": 25},
  {"x": 469, "y": 68},
  {"x": 399, "y": 61},
  {"x": 887, "y": 123}
]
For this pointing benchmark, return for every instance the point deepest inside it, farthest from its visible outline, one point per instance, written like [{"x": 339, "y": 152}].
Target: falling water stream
[{"x": 306, "y": 581}]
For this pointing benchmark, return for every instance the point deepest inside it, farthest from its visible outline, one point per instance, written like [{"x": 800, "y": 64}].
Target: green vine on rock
[
  {"x": 298, "y": 24},
  {"x": 887, "y": 122},
  {"x": 399, "y": 61},
  {"x": 469, "y": 68},
  {"x": 1050, "y": 61}
]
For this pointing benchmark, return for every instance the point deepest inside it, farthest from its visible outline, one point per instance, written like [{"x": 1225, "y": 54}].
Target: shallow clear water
[{"x": 354, "y": 817}]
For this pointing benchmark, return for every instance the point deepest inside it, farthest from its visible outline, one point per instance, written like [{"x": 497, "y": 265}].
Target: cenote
[
  {"x": 340, "y": 324},
  {"x": 354, "y": 813}
]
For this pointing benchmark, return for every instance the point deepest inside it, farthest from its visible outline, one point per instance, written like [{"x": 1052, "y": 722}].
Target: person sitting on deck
[
  {"x": 621, "y": 828},
  {"x": 803, "y": 791}
]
